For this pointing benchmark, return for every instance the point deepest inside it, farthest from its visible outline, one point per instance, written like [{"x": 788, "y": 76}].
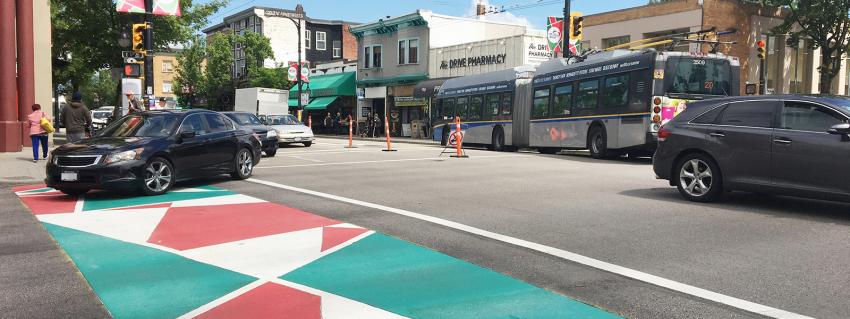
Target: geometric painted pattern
[{"x": 211, "y": 253}]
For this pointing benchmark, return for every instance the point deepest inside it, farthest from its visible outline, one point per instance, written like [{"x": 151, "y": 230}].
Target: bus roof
[
  {"x": 599, "y": 64},
  {"x": 495, "y": 81}
]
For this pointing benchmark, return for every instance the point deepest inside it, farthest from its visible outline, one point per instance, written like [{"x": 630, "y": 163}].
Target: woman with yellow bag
[{"x": 40, "y": 128}]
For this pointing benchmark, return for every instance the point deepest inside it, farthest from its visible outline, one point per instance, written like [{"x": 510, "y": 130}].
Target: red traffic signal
[
  {"x": 762, "y": 53},
  {"x": 132, "y": 70},
  {"x": 760, "y": 43}
]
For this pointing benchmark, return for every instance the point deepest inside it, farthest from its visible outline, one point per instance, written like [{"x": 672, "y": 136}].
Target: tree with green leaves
[
  {"x": 190, "y": 72},
  {"x": 826, "y": 23},
  {"x": 86, "y": 33},
  {"x": 218, "y": 75},
  {"x": 100, "y": 89}
]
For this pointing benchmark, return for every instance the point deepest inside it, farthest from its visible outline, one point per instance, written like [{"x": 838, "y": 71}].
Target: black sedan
[
  {"x": 267, "y": 134},
  {"x": 787, "y": 145},
  {"x": 150, "y": 151}
]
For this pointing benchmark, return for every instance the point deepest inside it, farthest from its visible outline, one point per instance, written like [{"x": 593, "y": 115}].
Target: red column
[
  {"x": 26, "y": 68},
  {"x": 10, "y": 127}
]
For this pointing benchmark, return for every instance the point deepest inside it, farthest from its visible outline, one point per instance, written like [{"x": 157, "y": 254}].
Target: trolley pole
[
  {"x": 148, "y": 90},
  {"x": 565, "y": 30}
]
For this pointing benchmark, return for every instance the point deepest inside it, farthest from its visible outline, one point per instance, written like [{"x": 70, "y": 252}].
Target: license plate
[
  {"x": 297, "y": 139},
  {"x": 69, "y": 176}
]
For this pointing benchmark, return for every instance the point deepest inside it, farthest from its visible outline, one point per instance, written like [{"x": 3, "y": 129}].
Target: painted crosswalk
[{"x": 210, "y": 253}]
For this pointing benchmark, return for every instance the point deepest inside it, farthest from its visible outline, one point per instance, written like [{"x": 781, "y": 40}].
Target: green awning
[
  {"x": 320, "y": 103},
  {"x": 340, "y": 84},
  {"x": 293, "y": 102}
]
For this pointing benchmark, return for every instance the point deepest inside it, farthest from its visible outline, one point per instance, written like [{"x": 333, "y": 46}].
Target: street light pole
[
  {"x": 565, "y": 29},
  {"x": 148, "y": 38}
]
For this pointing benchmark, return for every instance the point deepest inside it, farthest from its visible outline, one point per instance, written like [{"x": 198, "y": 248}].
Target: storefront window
[
  {"x": 771, "y": 66},
  {"x": 799, "y": 56}
]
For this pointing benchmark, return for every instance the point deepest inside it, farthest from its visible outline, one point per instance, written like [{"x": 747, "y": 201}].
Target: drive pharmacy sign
[{"x": 473, "y": 61}]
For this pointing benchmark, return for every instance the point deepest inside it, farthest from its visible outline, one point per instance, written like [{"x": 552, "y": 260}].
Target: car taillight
[{"x": 663, "y": 134}]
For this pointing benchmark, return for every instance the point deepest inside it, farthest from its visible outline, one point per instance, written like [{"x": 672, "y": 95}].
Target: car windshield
[
  {"x": 148, "y": 125},
  {"x": 101, "y": 115},
  {"x": 282, "y": 120},
  {"x": 690, "y": 75},
  {"x": 244, "y": 118}
]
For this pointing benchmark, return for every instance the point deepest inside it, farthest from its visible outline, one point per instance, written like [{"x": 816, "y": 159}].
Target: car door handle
[
  {"x": 717, "y": 134},
  {"x": 782, "y": 141}
]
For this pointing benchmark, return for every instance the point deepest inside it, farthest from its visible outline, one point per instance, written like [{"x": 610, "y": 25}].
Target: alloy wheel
[
  {"x": 158, "y": 176},
  {"x": 246, "y": 164},
  {"x": 695, "y": 177}
]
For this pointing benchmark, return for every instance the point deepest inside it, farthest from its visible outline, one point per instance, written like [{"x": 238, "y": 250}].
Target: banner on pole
[
  {"x": 160, "y": 7},
  {"x": 554, "y": 33},
  {"x": 293, "y": 71}
]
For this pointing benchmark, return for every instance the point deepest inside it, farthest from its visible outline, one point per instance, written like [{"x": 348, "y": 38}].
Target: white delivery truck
[{"x": 262, "y": 101}]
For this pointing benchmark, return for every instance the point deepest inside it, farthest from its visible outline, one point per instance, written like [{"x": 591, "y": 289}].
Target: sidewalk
[
  {"x": 19, "y": 168},
  {"x": 382, "y": 139}
]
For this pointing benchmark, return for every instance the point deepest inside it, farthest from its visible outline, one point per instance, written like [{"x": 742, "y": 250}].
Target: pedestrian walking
[
  {"x": 39, "y": 132},
  {"x": 338, "y": 123},
  {"x": 77, "y": 119},
  {"x": 326, "y": 123},
  {"x": 376, "y": 125}
]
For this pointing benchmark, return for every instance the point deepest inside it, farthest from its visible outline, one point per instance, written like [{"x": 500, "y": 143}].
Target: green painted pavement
[
  {"x": 109, "y": 200},
  {"x": 135, "y": 281},
  {"x": 413, "y": 281},
  {"x": 36, "y": 191}
]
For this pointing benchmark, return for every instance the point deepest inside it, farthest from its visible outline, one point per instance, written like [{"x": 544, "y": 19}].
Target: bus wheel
[
  {"x": 444, "y": 140},
  {"x": 498, "y": 141},
  {"x": 597, "y": 142}
]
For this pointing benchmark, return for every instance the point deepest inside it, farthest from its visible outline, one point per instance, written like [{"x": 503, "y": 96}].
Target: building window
[
  {"x": 166, "y": 87},
  {"x": 321, "y": 41},
  {"x": 797, "y": 69},
  {"x": 615, "y": 41},
  {"x": 367, "y": 57},
  {"x": 306, "y": 39},
  {"x": 167, "y": 66},
  {"x": 337, "y": 48},
  {"x": 408, "y": 51},
  {"x": 376, "y": 56},
  {"x": 372, "y": 56}
]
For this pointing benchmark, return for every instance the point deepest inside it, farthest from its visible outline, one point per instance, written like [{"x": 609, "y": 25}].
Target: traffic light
[
  {"x": 762, "y": 54},
  {"x": 132, "y": 70},
  {"x": 139, "y": 37},
  {"x": 576, "y": 23}
]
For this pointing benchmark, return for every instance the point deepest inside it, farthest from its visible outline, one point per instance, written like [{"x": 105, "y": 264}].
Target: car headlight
[
  {"x": 271, "y": 133},
  {"x": 309, "y": 131},
  {"x": 124, "y": 156}
]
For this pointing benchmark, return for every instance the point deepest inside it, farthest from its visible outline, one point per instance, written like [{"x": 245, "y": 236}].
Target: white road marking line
[
  {"x": 305, "y": 159},
  {"x": 80, "y": 204},
  {"x": 380, "y": 161},
  {"x": 563, "y": 254}
]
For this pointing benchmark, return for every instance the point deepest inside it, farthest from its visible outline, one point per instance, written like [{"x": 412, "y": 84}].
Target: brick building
[{"x": 790, "y": 68}]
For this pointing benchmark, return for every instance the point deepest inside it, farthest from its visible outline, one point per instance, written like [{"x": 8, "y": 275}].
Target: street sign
[
  {"x": 131, "y": 55},
  {"x": 305, "y": 98}
]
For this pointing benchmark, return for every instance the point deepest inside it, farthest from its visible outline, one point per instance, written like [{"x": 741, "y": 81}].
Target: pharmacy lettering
[{"x": 473, "y": 61}]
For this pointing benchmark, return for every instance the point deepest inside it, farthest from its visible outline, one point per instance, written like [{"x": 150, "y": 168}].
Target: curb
[{"x": 377, "y": 139}]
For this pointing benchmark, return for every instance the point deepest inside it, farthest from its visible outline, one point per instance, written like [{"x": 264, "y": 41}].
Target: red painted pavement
[
  {"x": 192, "y": 227},
  {"x": 50, "y": 203},
  {"x": 332, "y": 236},
  {"x": 269, "y": 301},
  {"x": 27, "y": 187}
]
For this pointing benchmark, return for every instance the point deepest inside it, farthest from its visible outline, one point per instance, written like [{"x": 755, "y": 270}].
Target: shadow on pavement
[
  {"x": 585, "y": 158},
  {"x": 777, "y": 206}
]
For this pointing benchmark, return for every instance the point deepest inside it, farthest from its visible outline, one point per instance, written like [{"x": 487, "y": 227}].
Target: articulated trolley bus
[{"x": 611, "y": 103}]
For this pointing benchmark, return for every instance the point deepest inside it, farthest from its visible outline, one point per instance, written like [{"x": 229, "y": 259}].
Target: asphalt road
[{"x": 787, "y": 253}]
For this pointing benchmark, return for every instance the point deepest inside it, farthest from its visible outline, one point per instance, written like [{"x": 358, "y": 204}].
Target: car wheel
[
  {"x": 308, "y": 144},
  {"x": 244, "y": 165},
  {"x": 597, "y": 142},
  {"x": 698, "y": 178},
  {"x": 271, "y": 153},
  {"x": 74, "y": 192},
  {"x": 498, "y": 141},
  {"x": 158, "y": 177}
]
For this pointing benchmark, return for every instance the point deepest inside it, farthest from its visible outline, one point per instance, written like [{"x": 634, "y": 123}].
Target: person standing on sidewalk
[
  {"x": 133, "y": 104},
  {"x": 77, "y": 119},
  {"x": 37, "y": 133},
  {"x": 326, "y": 125}
]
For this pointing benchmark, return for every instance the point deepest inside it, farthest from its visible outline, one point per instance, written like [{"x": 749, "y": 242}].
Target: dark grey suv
[{"x": 781, "y": 144}]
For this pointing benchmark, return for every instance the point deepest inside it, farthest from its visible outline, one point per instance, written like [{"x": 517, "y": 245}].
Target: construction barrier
[
  {"x": 458, "y": 134},
  {"x": 387, "y": 133}
]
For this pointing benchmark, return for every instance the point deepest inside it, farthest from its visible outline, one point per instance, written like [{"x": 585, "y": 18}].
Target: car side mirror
[
  {"x": 840, "y": 129},
  {"x": 185, "y": 135}
]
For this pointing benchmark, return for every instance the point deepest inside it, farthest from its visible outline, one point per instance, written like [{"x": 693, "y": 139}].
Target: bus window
[
  {"x": 588, "y": 93},
  {"x": 616, "y": 92},
  {"x": 689, "y": 75},
  {"x": 507, "y": 103},
  {"x": 437, "y": 109},
  {"x": 460, "y": 107},
  {"x": 563, "y": 100},
  {"x": 476, "y": 105},
  {"x": 491, "y": 108},
  {"x": 541, "y": 103},
  {"x": 449, "y": 107}
]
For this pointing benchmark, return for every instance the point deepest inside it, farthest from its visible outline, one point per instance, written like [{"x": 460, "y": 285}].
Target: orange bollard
[
  {"x": 459, "y": 139},
  {"x": 387, "y": 132},
  {"x": 350, "y": 134},
  {"x": 310, "y": 121}
]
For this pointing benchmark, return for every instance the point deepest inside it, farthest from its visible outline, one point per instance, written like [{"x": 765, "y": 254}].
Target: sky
[{"x": 534, "y": 13}]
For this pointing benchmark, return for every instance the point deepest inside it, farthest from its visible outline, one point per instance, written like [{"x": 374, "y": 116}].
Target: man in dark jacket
[{"x": 76, "y": 118}]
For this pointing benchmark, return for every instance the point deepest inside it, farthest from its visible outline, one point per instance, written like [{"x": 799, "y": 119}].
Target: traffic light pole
[
  {"x": 565, "y": 30},
  {"x": 148, "y": 87},
  {"x": 762, "y": 84}
]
